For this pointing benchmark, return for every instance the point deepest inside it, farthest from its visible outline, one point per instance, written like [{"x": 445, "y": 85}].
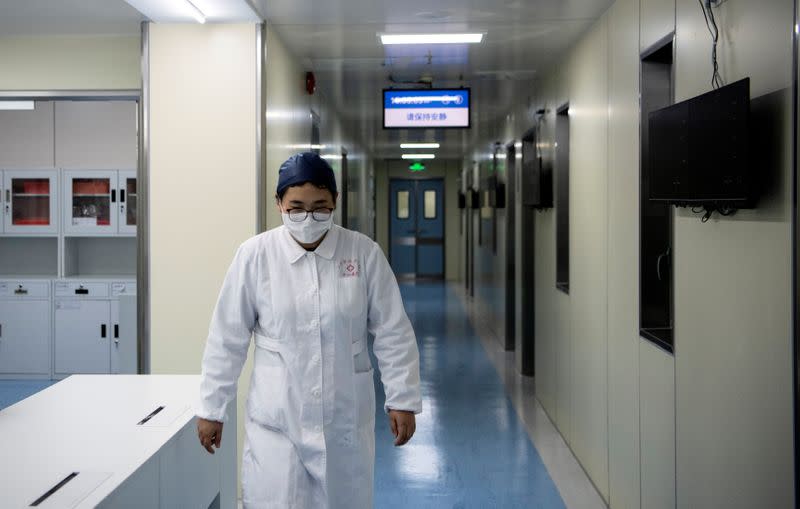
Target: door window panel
[
  {"x": 403, "y": 208},
  {"x": 430, "y": 204}
]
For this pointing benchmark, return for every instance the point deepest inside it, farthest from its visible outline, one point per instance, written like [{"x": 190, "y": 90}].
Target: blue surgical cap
[{"x": 306, "y": 167}]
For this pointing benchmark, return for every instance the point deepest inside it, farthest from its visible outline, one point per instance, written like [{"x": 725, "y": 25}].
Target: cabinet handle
[
  {"x": 1, "y": 331},
  {"x": 8, "y": 195},
  {"x": 103, "y": 330},
  {"x": 21, "y": 291},
  {"x": 122, "y": 196},
  {"x": 116, "y": 331},
  {"x": 113, "y": 196},
  {"x": 82, "y": 291}
]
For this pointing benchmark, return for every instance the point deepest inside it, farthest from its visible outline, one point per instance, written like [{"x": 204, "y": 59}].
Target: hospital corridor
[{"x": 357, "y": 254}]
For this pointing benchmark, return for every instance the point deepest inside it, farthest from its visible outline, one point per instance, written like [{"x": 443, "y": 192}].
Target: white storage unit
[
  {"x": 25, "y": 328},
  {"x": 68, "y": 196},
  {"x": 95, "y": 202},
  {"x": 89, "y": 337},
  {"x": 30, "y": 202}
]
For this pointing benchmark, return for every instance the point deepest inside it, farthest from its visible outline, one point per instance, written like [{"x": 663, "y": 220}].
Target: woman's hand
[
  {"x": 210, "y": 433},
  {"x": 403, "y": 424}
]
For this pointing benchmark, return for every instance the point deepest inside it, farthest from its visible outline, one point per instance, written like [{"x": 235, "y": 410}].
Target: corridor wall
[
  {"x": 288, "y": 131},
  {"x": 70, "y": 63},
  {"x": 711, "y": 425},
  {"x": 202, "y": 182}
]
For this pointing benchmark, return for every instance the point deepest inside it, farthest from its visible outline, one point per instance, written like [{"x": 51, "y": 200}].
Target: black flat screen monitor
[{"x": 699, "y": 150}]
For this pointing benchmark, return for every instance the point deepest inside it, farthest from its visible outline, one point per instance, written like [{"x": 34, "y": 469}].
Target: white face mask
[{"x": 309, "y": 230}]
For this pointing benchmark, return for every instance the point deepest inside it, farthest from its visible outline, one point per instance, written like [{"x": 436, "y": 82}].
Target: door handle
[
  {"x": 116, "y": 331},
  {"x": 122, "y": 196},
  {"x": 663, "y": 255},
  {"x": 103, "y": 330}
]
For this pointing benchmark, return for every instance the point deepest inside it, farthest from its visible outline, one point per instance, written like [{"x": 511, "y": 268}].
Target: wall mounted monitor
[
  {"x": 430, "y": 108},
  {"x": 699, "y": 150}
]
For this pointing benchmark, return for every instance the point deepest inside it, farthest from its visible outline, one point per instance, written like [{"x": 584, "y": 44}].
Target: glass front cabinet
[
  {"x": 29, "y": 202},
  {"x": 99, "y": 202},
  {"x": 127, "y": 202}
]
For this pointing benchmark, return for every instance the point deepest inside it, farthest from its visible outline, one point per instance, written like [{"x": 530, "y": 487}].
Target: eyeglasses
[{"x": 299, "y": 215}]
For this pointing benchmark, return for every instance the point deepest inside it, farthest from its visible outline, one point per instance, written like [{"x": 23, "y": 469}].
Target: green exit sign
[{"x": 416, "y": 166}]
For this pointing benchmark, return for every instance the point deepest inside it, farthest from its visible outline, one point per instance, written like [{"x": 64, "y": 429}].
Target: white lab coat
[{"x": 310, "y": 427}]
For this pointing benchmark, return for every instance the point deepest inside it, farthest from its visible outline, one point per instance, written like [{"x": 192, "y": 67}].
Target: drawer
[
  {"x": 24, "y": 289},
  {"x": 123, "y": 288},
  {"x": 81, "y": 290}
]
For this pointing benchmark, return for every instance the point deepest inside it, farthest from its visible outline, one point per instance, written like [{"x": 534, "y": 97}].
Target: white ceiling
[
  {"x": 68, "y": 17},
  {"x": 338, "y": 40}
]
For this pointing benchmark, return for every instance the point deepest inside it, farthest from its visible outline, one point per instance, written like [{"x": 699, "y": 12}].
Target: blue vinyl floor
[
  {"x": 470, "y": 449},
  {"x": 13, "y": 391}
]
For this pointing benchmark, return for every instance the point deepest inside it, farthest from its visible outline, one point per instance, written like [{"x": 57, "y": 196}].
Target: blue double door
[{"x": 416, "y": 227}]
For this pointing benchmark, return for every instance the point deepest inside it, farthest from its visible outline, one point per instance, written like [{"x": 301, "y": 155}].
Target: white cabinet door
[
  {"x": 124, "y": 350},
  {"x": 90, "y": 202},
  {"x": 128, "y": 198},
  {"x": 25, "y": 337},
  {"x": 30, "y": 202},
  {"x": 83, "y": 336}
]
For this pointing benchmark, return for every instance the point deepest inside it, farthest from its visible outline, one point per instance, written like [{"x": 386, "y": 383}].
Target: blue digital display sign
[{"x": 426, "y": 109}]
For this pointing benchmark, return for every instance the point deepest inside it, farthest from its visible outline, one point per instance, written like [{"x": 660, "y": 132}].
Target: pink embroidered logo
[{"x": 348, "y": 268}]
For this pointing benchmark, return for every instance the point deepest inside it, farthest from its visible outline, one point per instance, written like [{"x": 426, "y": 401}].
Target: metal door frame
[
  {"x": 512, "y": 183},
  {"x": 416, "y": 237}
]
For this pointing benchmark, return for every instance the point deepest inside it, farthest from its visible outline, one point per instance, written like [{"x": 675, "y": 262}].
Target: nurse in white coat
[{"x": 310, "y": 293}]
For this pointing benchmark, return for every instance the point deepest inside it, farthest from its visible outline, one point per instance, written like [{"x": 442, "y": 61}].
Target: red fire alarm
[{"x": 311, "y": 83}]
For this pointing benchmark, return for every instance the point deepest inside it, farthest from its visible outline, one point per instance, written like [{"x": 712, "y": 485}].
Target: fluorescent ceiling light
[
  {"x": 419, "y": 145},
  {"x": 430, "y": 38},
  {"x": 16, "y": 105},
  {"x": 332, "y": 157},
  {"x": 306, "y": 146},
  {"x": 197, "y": 14},
  {"x": 418, "y": 156}
]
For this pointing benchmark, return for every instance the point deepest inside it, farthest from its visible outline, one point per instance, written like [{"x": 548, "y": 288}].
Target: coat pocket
[
  {"x": 267, "y": 400},
  {"x": 351, "y": 297}
]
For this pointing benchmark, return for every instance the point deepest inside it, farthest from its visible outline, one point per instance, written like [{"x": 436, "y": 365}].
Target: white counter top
[{"x": 90, "y": 424}]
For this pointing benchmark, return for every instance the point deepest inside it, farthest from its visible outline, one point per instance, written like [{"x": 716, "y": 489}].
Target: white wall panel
[
  {"x": 623, "y": 251},
  {"x": 96, "y": 134},
  {"x": 70, "y": 63},
  {"x": 202, "y": 181},
  {"x": 657, "y": 390},
  {"x": 26, "y": 137},
  {"x": 588, "y": 115},
  {"x": 657, "y": 20},
  {"x": 732, "y": 287},
  {"x": 547, "y": 337}
]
